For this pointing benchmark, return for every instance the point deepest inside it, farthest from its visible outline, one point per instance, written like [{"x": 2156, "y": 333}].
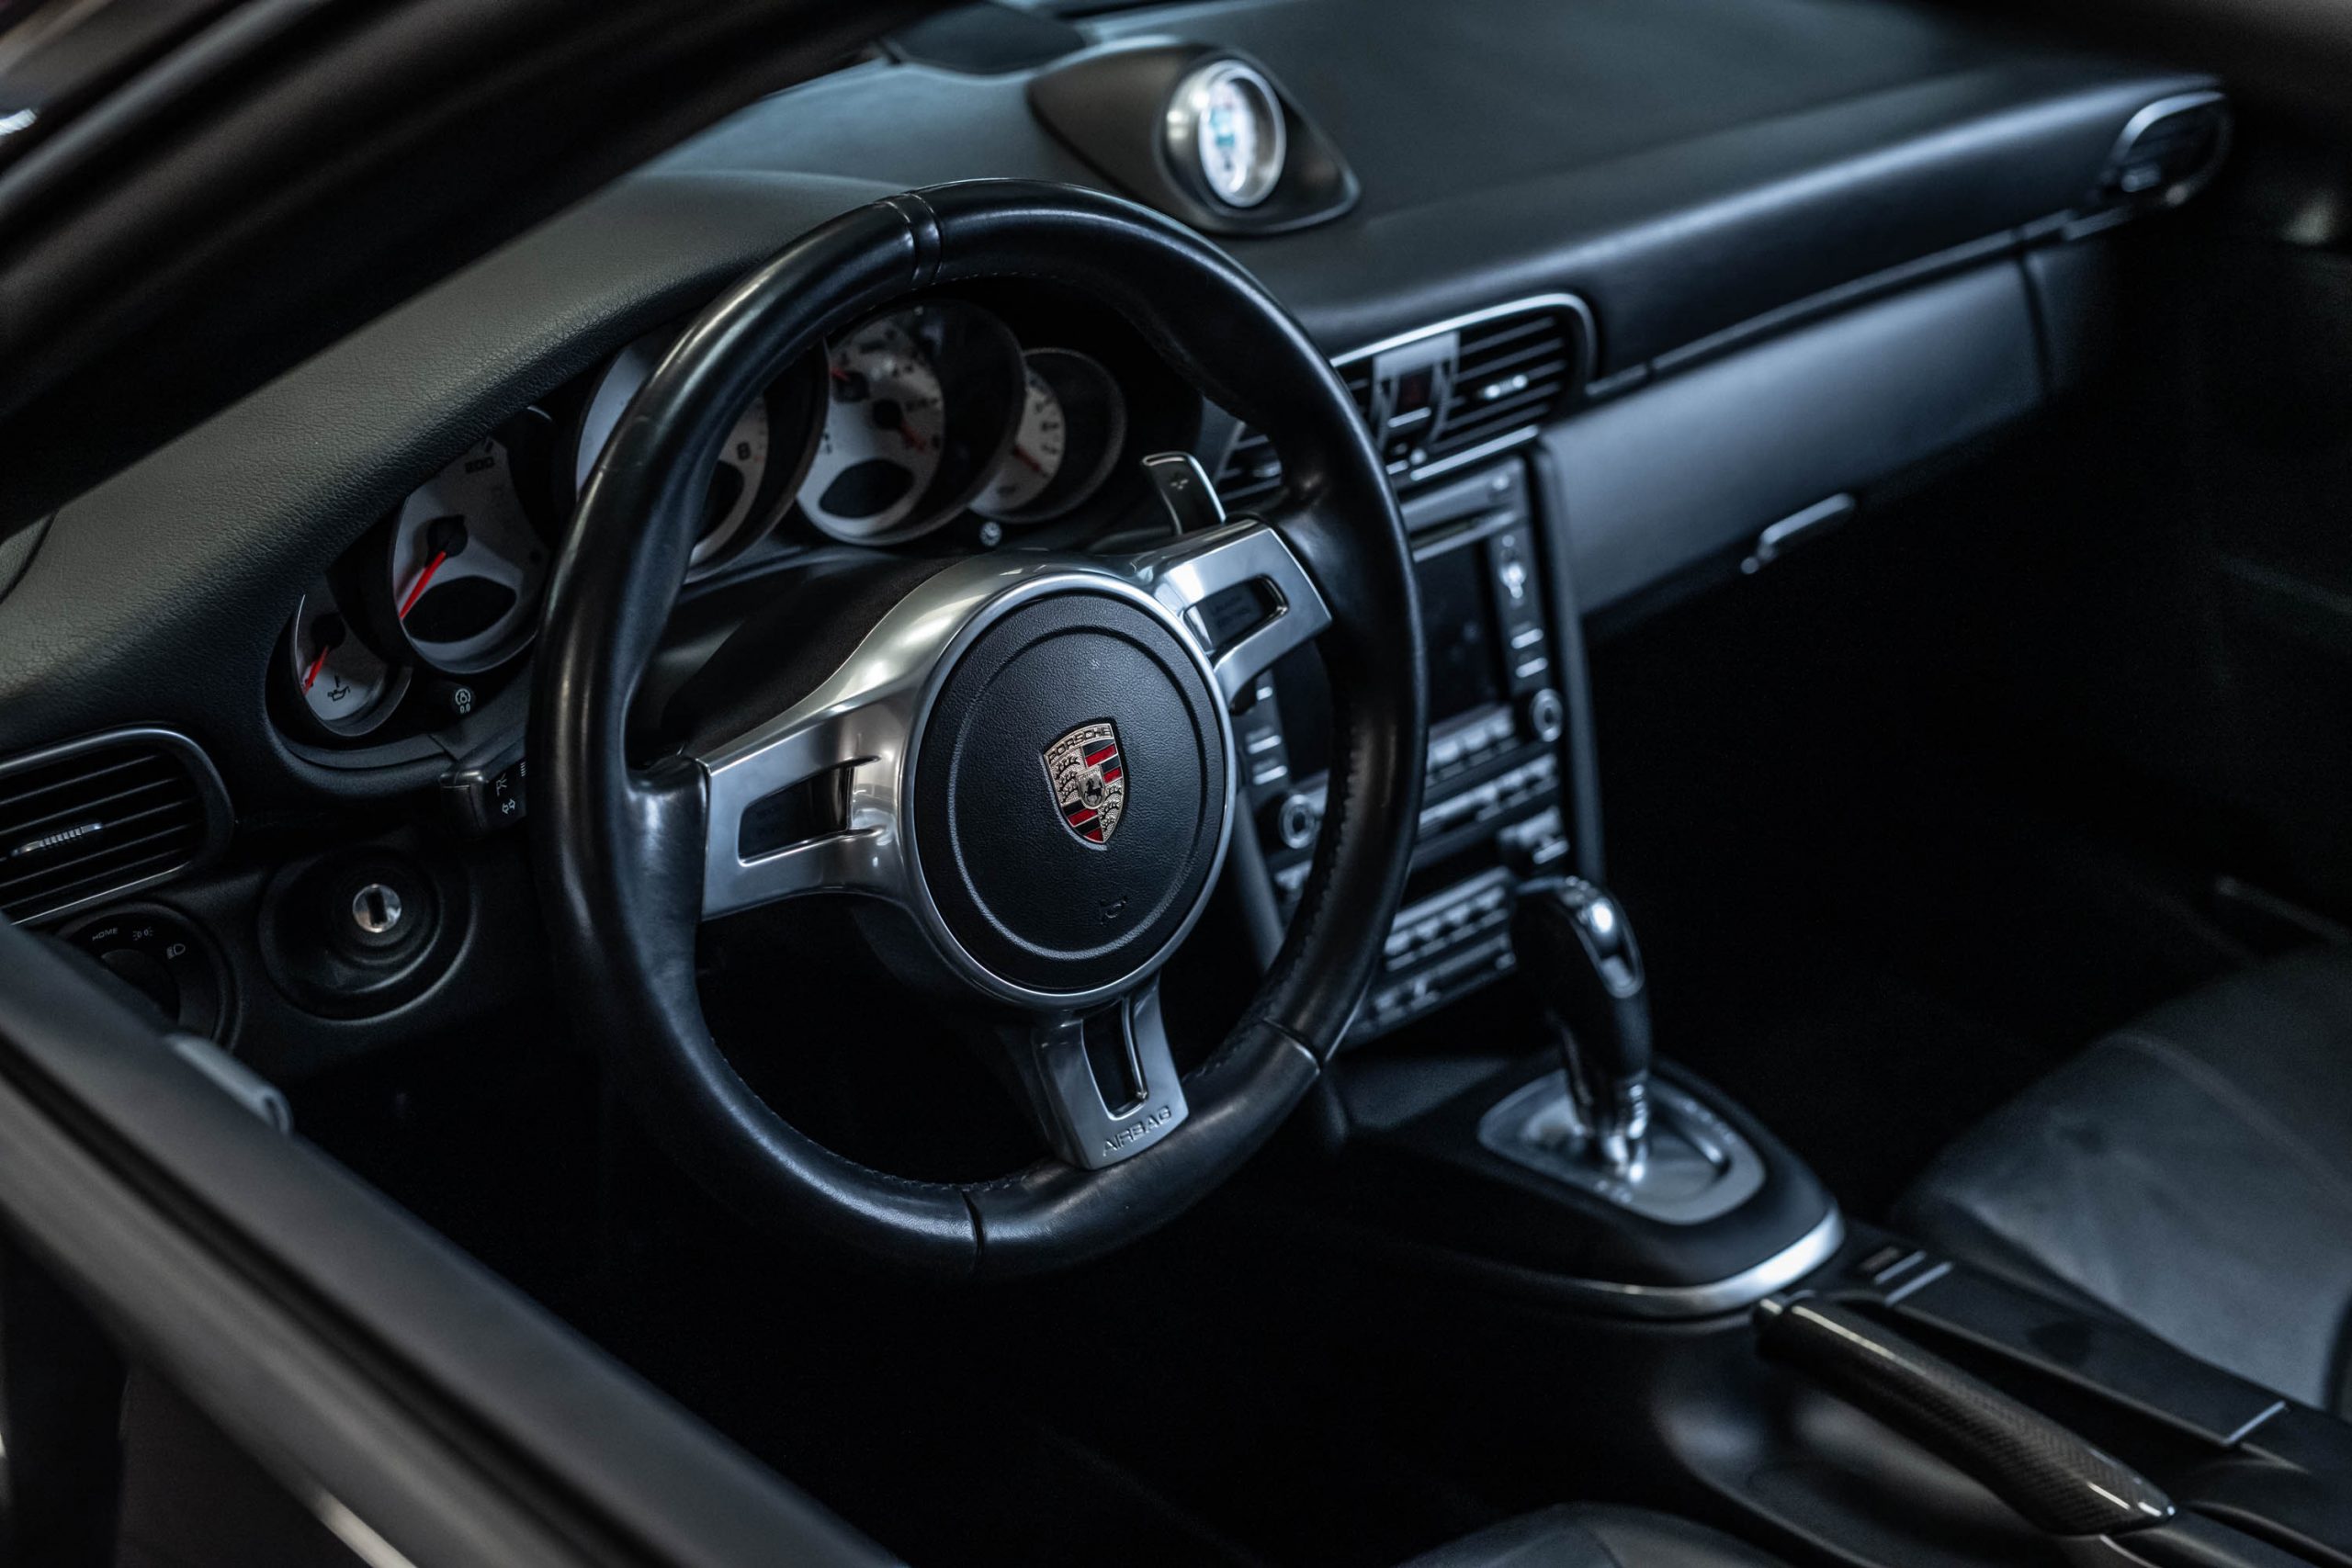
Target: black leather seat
[
  {"x": 1588, "y": 1536},
  {"x": 2193, "y": 1172}
]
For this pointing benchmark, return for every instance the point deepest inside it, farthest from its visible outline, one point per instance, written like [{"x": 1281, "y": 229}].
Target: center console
[{"x": 1496, "y": 806}]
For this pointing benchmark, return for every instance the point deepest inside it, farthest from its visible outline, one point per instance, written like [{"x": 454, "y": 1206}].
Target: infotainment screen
[{"x": 1465, "y": 670}]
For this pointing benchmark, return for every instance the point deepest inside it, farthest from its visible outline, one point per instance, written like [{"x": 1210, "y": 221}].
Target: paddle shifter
[{"x": 1576, "y": 948}]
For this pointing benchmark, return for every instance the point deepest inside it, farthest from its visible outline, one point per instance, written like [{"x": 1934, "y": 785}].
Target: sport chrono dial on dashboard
[{"x": 1226, "y": 118}]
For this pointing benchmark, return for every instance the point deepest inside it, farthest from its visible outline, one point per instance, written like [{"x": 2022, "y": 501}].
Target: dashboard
[
  {"x": 1627, "y": 296},
  {"x": 972, "y": 421}
]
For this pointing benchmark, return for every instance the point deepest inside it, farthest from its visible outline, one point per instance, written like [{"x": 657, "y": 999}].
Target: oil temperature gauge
[{"x": 345, "y": 687}]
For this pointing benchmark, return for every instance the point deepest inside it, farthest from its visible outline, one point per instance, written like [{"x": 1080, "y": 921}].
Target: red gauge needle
[
  {"x": 424, "y": 579},
  {"x": 316, "y": 665},
  {"x": 907, "y": 433},
  {"x": 1034, "y": 465}
]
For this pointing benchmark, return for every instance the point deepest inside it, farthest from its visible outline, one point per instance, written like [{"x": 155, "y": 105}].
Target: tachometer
[
  {"x": 464, "y": 562},
  {"x": 345, "y": 686},
  {"x": 919, "y": 406},
  {"x": 1073, "y": 422}
]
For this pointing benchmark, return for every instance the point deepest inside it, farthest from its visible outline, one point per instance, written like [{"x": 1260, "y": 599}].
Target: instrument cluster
[{"x": 943, "y": 421}]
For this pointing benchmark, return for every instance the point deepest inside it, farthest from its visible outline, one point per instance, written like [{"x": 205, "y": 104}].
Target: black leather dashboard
[{"x": 1686, "y": 166}]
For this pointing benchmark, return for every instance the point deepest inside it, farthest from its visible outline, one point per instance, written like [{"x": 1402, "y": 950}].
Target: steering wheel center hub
[{"x": 1072, "y": 787}]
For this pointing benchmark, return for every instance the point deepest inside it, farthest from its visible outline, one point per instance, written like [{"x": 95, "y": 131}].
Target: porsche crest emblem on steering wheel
[{"x": 1089, "y": 779}]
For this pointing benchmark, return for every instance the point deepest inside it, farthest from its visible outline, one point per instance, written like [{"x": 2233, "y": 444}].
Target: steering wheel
[{"x": 1024, "y": 760}]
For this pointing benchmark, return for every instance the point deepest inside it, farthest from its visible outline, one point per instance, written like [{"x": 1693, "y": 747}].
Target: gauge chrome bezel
[{"x": 1187, "y": 147}]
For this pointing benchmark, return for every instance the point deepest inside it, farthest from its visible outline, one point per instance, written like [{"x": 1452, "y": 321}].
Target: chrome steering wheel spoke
[
  {"x": 806, "y": 805},
  {"x": 1238, "y": 590},
  {"x": 1087, "y": 1122},
  {"x": 811, "y": 801}
]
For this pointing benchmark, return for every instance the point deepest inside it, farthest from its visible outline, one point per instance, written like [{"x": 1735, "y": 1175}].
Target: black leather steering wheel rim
[{"x": 619, "y": 849}]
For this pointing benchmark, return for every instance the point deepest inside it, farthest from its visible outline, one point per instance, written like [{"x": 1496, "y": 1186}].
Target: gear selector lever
[
  {"x": 1575, "y": 946},
  {"x": 1601, "y": 1123}
]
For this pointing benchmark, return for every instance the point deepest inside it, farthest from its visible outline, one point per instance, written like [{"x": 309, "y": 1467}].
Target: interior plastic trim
[{"x": 1734, "y": 1293}]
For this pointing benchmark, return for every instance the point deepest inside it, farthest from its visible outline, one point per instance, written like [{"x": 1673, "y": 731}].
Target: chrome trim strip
[
  {"x": 1468, "y": 455},
  {"x": 1917, "y": 1283},
  {"x": 1740, "y": 1291},
  {"x": 1555, "y": 301},
  {"x": 2235, "y": 1438}
]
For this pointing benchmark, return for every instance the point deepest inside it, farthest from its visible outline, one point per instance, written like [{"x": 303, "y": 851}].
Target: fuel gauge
[{"x": 344, "y": 686}]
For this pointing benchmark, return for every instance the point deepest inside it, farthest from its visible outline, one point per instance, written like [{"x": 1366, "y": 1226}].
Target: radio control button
[
  {"x": 1547, "y": 714},
  {"x": 1296, "y": 819}
]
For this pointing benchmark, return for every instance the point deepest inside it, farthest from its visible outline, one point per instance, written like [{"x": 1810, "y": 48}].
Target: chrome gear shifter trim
[{"x": 1695, "y": 1166}]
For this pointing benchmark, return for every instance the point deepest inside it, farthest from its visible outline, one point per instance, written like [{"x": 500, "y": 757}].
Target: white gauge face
[
  {"x": 1038, "y": 448},
  {"x": 730, "y": 510},
  {"x": 735, "y": 483},
  {"x": 345, "y": 685},
  {"x": 885, "y": 430},
  {"x": 1237, "y": 133},
  {"x": 466, "y": 566}
]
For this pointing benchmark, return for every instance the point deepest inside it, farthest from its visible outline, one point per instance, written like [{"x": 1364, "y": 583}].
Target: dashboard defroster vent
[
  {"x": 103, "y": 815},
  {"x": 1444, "y": 395}
]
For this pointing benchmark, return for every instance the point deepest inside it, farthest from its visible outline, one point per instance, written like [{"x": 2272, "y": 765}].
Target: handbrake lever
[{"x": 2098, "y": 1509}]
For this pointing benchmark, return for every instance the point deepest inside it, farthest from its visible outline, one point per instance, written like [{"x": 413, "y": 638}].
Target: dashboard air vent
[
  {"x": 101, "y": 817},
  {"x": 1251, "y": 475},
  {"x": 1509, "y": 373},
  {"x": 1444, "y": 395}
]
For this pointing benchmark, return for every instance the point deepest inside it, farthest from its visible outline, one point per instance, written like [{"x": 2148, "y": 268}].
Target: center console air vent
[
  {"x": 103, "y": 815},
  {"x": 1251, "y": 474},
  {"x": 1512, "y": 372},
  {"x": 1445, "y": 395}
]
